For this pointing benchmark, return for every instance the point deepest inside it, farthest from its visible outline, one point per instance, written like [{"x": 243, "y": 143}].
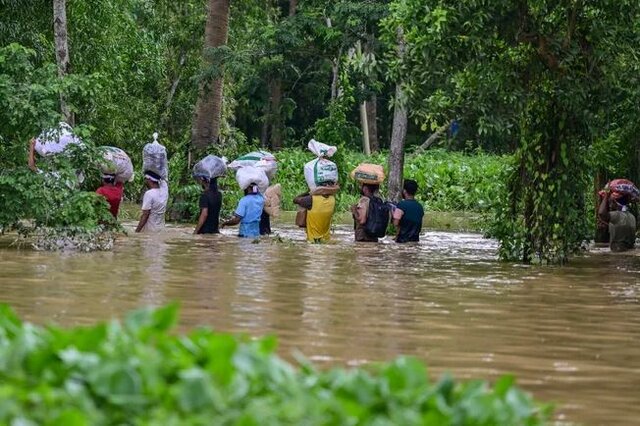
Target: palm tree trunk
[
  {"x": 275, "y": 91},
  {"x": 366, "y": 147},
  {"x": 398, "y": 134},
  {"x": 62, "y": 51},
  {"x": 208, "y": 114}
]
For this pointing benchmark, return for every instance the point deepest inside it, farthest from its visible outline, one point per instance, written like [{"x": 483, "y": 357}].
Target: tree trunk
[
  {"x": 293, "y": 4},
  {"x": 602, "y": 228},
  {"x": 398, "y": 134},
  {"x": 364, "y": 125},
  {"x": 208, "y": 115},
  {"x": 372, "y": 121},
  {"x": 275, "y": 90},
  {"x": 62, "y": 51}
]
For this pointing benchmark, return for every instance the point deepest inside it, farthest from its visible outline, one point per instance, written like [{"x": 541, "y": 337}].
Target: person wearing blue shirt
[{"x": 248, "y": 213}]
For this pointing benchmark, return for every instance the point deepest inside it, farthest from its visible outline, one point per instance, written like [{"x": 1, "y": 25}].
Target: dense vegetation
[
  {"x": 137, "y": 372},
  {"x": 552, "y": 84}
]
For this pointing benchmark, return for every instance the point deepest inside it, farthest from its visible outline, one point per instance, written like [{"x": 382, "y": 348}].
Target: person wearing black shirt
[
  {"x": 408, "y": 214},
  {"x": 210, "y": 204}
]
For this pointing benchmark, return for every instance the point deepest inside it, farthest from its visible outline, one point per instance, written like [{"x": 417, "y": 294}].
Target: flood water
[{"x": 570, "y": 335}]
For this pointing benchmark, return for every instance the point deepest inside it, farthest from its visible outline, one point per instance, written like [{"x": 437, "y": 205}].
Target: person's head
[
  {"x": 620, "y": 203},
  {"x": 108, "y": 179},
  {"x": 368, "y": 190},
  {"x": 409, "y": 188},
  {"x": 152, "y": 179},
  {"x": 203, "y": 181},
  {"x": 251, "y": 189}
]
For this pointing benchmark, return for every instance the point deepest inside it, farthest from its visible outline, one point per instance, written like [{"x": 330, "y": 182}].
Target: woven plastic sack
[
  {"x": 320, "y": 149},
  {"x": 245, "y": 176},
  {"x": 624, "y": 188},
  {"x": 210, "y": 167},
  {"x": 272, "y": 198},
  {"x": 117, "y": 162},
  {"x": 319, "y": 172},
  {"x": 260, "y": 159},
  {"x": 154, "y": 158},
  {"x": 55, "y": 140},
  {"x": 372, "y": 174}
]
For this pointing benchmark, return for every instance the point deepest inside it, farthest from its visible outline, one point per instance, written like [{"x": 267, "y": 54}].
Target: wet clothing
[
  {"x": 410, "y": 213},
  {"x": 622, "y": 230},
  {"x": 212, "y": 201},
  {"x": 265, "y": 223},
  {"x": 320, "y": 209},
  {"x": 249, "y": 211},
  {"x": 113, "y": 194},
  {"x": 360, "y": 233},
  {"x": 155, "y": 200}
]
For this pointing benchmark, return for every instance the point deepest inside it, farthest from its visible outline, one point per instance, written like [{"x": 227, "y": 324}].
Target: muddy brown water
[{"x": 571, "y": 335}]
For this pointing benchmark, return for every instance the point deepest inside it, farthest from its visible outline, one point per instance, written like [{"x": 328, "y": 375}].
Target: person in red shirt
[{"x": 112, "y": 191}]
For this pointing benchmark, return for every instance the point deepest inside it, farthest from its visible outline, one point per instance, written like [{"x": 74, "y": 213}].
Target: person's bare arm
[
  {"x": 231, "y": 222},
  {"x": 31, "y": 161},
  {"x": 204, "y": 213},
  {"x": 143, "y": 220},
  {"x": 603, "y": 210}
]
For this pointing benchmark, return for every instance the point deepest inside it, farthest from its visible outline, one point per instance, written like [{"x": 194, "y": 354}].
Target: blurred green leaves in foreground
[{"x": 138, "y": 372}]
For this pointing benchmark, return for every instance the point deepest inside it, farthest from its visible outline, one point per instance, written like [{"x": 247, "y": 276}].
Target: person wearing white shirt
[{"x": 154, "y": 203}]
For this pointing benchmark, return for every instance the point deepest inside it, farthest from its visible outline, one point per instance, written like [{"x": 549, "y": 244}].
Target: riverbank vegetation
[
  {"x": 552, "y": 86},
  {"x": 138, "y": 372}
]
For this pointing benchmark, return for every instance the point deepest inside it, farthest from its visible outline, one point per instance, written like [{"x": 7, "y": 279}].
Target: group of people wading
[{"x": 261, "y": 201}]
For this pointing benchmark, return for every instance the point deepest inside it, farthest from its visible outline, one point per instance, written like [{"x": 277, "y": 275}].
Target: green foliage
[
  {"x": 138, "y": 372},
  {"x": 546, "y": 78}
]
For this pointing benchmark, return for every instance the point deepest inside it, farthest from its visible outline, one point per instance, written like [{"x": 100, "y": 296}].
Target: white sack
[{"x": 245, "y": 176}]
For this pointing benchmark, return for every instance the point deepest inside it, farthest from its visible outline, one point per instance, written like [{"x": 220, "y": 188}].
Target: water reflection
[{"x": 570, "y": 334}]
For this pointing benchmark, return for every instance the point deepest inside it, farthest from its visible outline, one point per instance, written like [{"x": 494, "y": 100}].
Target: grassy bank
[{"x": 139, "y": 372}]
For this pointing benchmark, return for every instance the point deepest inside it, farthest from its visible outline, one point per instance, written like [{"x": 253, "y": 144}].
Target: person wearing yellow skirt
[{"x": 320, "y": 205}]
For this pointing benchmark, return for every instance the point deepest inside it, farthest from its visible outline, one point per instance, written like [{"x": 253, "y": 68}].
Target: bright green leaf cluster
[{"x": 137, "y": 372}]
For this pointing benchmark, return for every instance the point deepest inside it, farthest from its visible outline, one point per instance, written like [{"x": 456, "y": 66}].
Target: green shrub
[{"x": 137, "y": 372}]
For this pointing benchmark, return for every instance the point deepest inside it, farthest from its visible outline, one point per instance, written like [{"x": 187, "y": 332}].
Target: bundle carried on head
[
  {"x": 55, "y": 140},
  {"x": 154, "y": 158},
  {"x": 623, "y": 189},
  {"x": 258, "y": 159},
  {"x": 116, "y": 162},
  {"x": 321, "y": 172},
  {"x": 372, "y": 174},
  {"x": 249, "y": 175},
  {"x": 210, "y": 167}
]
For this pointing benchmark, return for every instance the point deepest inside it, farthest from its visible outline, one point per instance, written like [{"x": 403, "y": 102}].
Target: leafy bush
[{"x": 136, "y": 372}]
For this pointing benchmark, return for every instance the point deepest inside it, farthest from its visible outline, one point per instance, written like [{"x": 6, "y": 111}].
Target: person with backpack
[
  {"x": 371, "y": 215},
  {"x": 408, "y": 214}
]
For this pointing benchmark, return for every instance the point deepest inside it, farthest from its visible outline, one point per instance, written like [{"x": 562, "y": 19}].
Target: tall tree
[
  {"x": 62, "y": 51},
  {"x": 399, "y": 130},
  {"x": 208, "y": 113}
]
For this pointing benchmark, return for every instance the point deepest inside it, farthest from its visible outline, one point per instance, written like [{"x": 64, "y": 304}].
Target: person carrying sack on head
[
  {"x": 614, "y": 210},
  {"x": 371, "y": 215},
  {"x": 248, "y": 213},
  {"x": 210, "y": 205},
  {"x": 112, "y": 191},
  {"x": 320, "y": 205},
  {"x": 154, "y": 203}
]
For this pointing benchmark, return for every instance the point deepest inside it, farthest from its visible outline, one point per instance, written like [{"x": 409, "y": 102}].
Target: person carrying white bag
[
  {"x": 318, "y": 205},
  {"x": 253, "y": 182}
]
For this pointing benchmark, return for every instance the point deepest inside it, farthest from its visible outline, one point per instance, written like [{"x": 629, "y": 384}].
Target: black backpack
[{"x": 378, "y": 218}]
